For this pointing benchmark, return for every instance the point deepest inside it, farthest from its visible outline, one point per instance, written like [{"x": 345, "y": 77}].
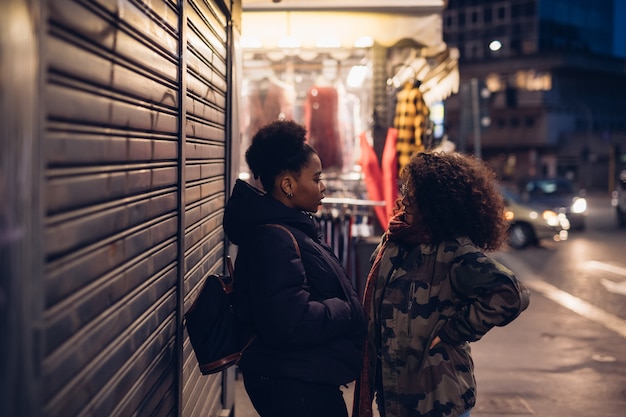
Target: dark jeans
[{"x": 276, "y": 397}]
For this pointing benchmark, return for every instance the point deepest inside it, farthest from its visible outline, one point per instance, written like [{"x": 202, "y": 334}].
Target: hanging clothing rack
[{"x": 438, "y": 74}]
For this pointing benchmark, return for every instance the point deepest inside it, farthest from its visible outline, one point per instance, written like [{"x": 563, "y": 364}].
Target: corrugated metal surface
[
  {"x": 204, "y": 153},
  {"x": 132, "y": 172}
]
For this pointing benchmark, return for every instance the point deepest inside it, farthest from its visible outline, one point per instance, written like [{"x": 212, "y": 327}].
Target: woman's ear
[{"x": 286, "y": 183}]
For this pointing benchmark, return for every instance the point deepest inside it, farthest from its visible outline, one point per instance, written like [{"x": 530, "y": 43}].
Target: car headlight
[
  {"x": 579, "y": 205},
  {"x": 551, "y": 218}
]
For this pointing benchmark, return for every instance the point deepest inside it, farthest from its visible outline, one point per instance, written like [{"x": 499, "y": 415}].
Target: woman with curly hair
[{"x": 432, "y": 290}]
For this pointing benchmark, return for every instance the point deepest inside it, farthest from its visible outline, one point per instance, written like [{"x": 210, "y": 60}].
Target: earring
[{"x": 290, "y": 195}]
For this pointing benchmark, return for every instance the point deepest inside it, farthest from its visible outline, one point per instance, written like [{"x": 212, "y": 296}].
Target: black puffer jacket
[{"x": 308, "y": 318}]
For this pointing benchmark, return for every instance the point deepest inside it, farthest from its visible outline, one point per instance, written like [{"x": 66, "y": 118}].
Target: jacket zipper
[{"x": 409, "y": 307}]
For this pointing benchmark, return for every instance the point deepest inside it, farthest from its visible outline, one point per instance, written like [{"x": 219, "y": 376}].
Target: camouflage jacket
[{"x": 451, "y": 290}]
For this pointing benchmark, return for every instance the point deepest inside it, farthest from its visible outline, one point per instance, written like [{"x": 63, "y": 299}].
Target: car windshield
[
  {"x": 510, "y": 195},
  {"x": 549, "y": 187}
]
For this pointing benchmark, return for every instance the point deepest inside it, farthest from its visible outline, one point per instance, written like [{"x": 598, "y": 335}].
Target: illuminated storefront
[{"x": 339, "y": 72}]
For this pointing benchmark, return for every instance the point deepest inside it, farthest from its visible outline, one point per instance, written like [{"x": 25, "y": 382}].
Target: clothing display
[
  {"x": 350, "y": 124},
  {"x": 411, "y": 120},
  {"x": 321, "y": 118},
  {"x": 389, "y": 168},
  {"x": 372, "y": 176},
  {"x": 337, "y": 232},
  {"x": 267, "y": 99}
]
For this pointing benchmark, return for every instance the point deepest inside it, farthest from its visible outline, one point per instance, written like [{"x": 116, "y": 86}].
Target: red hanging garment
[
  {"x": 390, "y": 172},
  {"x": 373, "y": 178},
  {"x": 321, "y": 120}
]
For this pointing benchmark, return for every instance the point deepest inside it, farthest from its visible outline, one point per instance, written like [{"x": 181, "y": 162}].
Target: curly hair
[
  {"x": 278, "y": 147},
  {"x": 456, "y": 195}
]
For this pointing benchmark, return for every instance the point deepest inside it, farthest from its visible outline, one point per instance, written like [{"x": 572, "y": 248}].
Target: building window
[
  {"x": 461, "y": 19},
  {"x": 516, "y": 46},
  {"x": 449, "y": 22},
  {"x": 529, "y": 121},
  {"x": 474, "y": 17},
  {"x": 487, "y": 15},
  {"x": 473, "y": 50},
  {"x": 501, "y": 14}
]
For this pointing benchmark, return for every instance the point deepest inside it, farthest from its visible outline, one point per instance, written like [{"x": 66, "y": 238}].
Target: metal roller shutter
[
  {"x": 204, "y": 179},
  {"x": 134, "y": 190}
]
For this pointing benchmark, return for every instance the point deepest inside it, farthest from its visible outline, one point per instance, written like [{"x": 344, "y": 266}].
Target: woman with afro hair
[
  {"x": 432, "y": 290},
  {"x": 291, "y": 291}
]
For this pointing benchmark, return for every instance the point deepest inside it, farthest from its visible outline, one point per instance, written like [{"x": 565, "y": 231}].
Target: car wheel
[{"x": 520, "y": 235}]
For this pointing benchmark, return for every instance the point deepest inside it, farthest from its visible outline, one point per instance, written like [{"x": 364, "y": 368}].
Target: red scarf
[{"x": 399, "y": 231}]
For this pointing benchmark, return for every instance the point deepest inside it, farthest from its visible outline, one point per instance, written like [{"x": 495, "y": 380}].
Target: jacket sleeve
[
  {"x": 490, "y": 296},
  {"x": 282, "y": 309}
]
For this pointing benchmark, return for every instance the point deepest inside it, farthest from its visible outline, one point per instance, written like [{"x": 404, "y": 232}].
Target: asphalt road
[{"x": 565, "y": 355}]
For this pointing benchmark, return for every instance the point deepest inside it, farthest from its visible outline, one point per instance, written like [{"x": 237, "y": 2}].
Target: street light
[{"x": 495, "y": 45}]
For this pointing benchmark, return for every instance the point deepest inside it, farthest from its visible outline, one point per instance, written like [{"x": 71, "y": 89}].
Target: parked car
[
  {"x": 528, "y": 225},
  {"x": 560, "y": 195},
  {"x": 619, "y": 200}
]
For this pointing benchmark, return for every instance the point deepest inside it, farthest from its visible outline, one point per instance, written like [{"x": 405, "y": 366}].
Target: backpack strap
[
  {"x": 293, "y": 238},
  {"x": 239, "y": 354}
]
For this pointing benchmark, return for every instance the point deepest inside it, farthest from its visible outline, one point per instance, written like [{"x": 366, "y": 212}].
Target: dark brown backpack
[{"x": 211, "y": 323}]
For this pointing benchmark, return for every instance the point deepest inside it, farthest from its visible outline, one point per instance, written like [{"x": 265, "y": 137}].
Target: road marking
[
  {"x": 578, "y": 306},
  {"x": 614, "y": 287},
  {"x": 603, "y": 358},
  {"x": 617, "y": 270},
  {"x": 575, "y": 304},
  {"x": 609, "y": 285}
]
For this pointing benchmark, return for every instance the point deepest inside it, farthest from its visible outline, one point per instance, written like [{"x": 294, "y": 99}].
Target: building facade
[{"x": 550, "y": 76}]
